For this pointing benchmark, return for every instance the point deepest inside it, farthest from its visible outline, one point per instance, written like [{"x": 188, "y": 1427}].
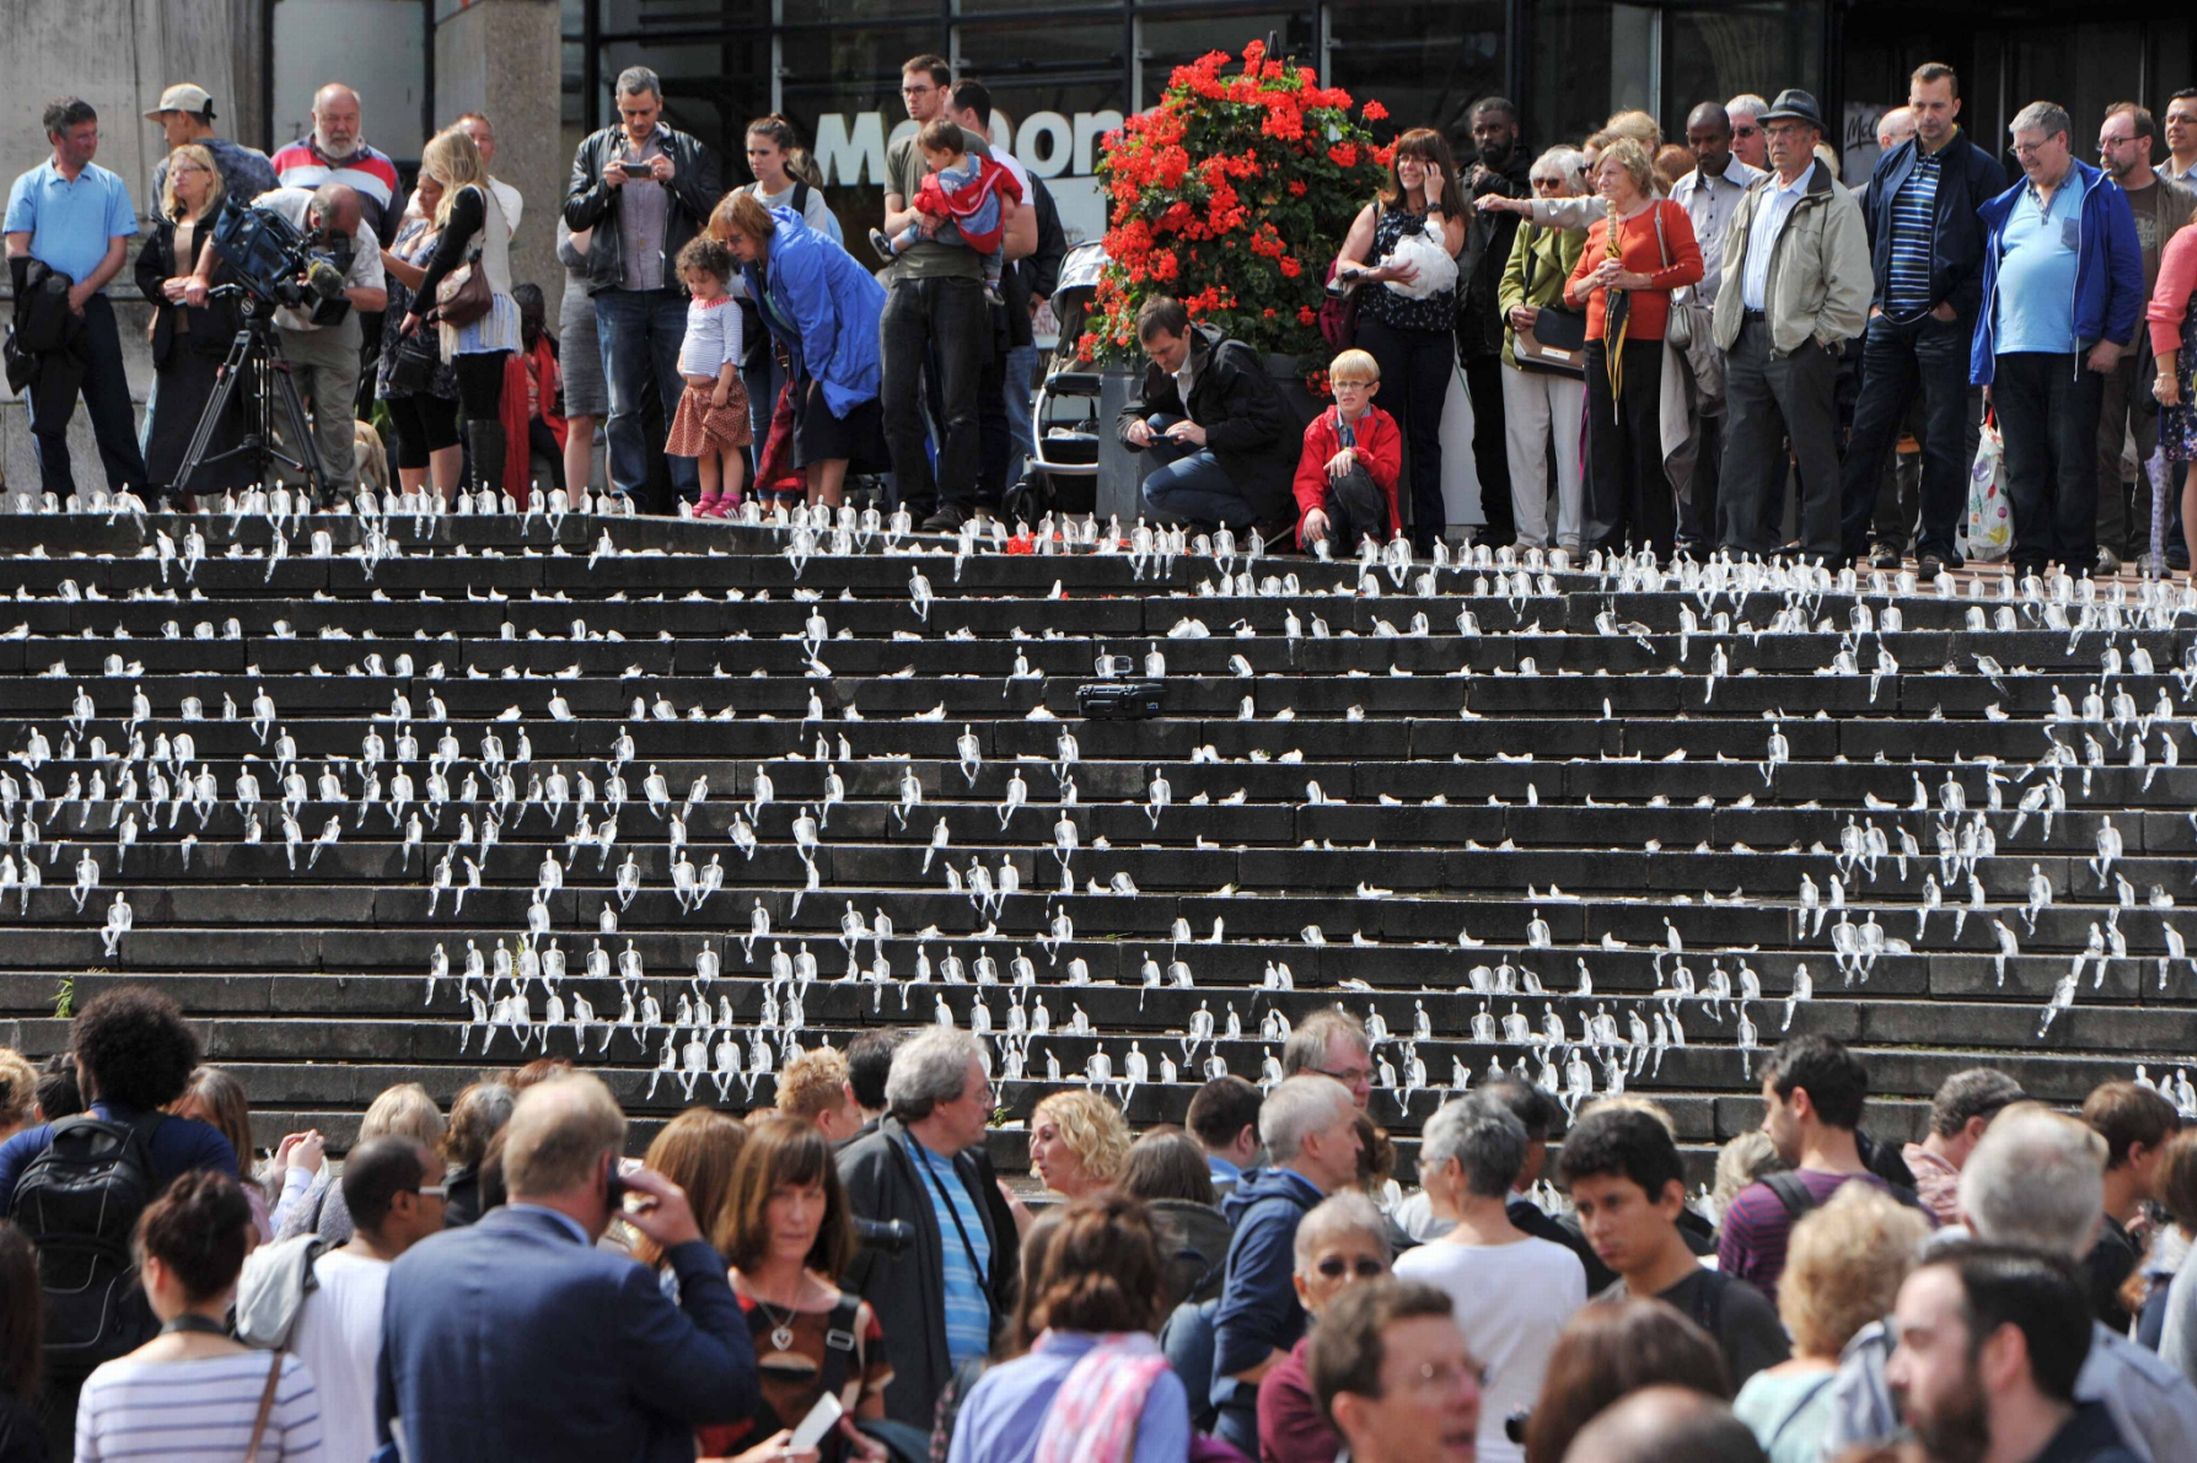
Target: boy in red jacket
[{"x": 1346, "y": 477}]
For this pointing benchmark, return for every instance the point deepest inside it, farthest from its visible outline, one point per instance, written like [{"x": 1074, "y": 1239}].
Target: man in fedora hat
[
  {"x": 1795, "y": 290},
  {"x": 186, "y": 115}
]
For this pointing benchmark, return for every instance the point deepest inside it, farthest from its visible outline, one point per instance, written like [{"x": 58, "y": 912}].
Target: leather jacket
[{"x": 591, "y": 204}]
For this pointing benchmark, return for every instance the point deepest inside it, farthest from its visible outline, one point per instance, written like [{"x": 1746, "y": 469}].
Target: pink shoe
[{"x": 710, "y": 507}]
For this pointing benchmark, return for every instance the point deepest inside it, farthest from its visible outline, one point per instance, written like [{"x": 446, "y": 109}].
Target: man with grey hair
[
  {"x": 950, "y": 1287},
  {"x": 645, "y": 188},
  {"x": 1309, "y": 1127},
  {"x": 1513, "y": 1292},
  {"x": 1332, "y": 1043},
  {"x": 2037, "y": 1180},
  {"x": 1965, "y": 1104},
  {"x": 1749, "y": 144},
  {"x": 2063, "y": 282}
]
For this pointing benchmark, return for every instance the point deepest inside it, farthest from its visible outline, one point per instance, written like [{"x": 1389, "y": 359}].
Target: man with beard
[
  {"x": 1990, "y": 1341},
  {"x": 1501, "y": 167}
]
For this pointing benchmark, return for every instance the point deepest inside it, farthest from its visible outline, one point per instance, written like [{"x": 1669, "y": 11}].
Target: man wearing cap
[
  {"x": 68, "y": 225},
  {"x": 186, "y": 115},
  {"x": 1795, "y": 290}
]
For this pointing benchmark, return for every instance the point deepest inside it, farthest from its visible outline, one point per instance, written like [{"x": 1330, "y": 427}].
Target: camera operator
[
  {"x": 325, "y": 356},
  {"x": 949, "y": 1293}
]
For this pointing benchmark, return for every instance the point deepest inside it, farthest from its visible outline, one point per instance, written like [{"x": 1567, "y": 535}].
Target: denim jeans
[
  {"x": 1898, "y": 359},
  {"x": 641, "y": 331},
  {"x": 93, "y": 366},
  {"x": 947, "y": 322},
  {"x": 1021, "y": 399},
  {"x": 2048, "y": 414},
  {"x": 1190, "y": 484}
]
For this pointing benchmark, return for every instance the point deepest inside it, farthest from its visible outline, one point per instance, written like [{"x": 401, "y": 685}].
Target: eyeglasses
[
  {"x": 1444, "y": 1376},
  {"x": 1548, "y": 182},
  {"x": 1745, "y": 131},
  {"x": 2030, "y": 149},
  {"x": 917, "y": 91},
  {"x": 1335, "y": 1267},
  {"x": 1348, "y": 1076},
  {"x": 433, "y": 1191}
]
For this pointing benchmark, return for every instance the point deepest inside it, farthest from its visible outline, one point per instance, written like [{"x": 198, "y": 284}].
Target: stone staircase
[{"x": 1474, "y": 804}]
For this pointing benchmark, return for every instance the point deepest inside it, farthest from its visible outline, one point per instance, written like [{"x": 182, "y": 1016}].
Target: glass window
[
  {"x": 1167, "y": 41},
  {"x": 1715, "y": 53},
  {"x": 1590, "y": 58},
  {"x": 1427, "y": 63}
]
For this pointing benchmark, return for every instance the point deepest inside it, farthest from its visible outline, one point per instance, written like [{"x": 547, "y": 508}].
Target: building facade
[{"x": 1062, "y": 73}]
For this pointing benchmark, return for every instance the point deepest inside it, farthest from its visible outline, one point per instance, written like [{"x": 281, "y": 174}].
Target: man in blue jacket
[
  {"x": 1309, "y": 1126},
  {"x": 2063, "y": 280},
  {"x": 515, "y": 1339},
  {"x": 1926, "y": 248}
]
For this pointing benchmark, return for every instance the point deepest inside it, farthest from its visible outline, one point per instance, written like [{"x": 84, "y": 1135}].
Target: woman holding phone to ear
[{"x": 789, "y": 1231}]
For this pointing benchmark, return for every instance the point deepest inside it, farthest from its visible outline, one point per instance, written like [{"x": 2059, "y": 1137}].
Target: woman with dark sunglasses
[{"x": 1341, "y": 1242}]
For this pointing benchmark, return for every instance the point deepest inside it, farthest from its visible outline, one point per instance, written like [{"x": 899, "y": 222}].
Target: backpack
[
  {"x": 79, "y": 1202},
  {"x": 1798, "y": 1198}
]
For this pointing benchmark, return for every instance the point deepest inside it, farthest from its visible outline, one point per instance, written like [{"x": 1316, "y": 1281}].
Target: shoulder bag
[
  {"x": 464, "y": 295},
  {"x": 1688, "y": 319},
  {"x": 1556, "y": 343}
]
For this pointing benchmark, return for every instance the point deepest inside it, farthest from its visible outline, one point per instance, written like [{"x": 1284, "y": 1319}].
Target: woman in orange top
[{"x": 1628, "y": 497}]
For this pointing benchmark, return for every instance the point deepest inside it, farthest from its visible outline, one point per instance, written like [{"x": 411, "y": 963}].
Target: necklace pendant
[{"x": 782, "y": 1339}]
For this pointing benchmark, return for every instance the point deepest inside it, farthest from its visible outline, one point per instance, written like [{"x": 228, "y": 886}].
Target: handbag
[
  {"x": 413, "y": 363},
  {"x": 464, "y": 295},
  {"x": 1689, "y": 319},
  {"x": 1556, "y": 343},
  {"x": 1339, "y": 313}
]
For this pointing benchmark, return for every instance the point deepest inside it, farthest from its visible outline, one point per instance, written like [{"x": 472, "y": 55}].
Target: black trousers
[
  {"x": 1770, "y": 400},
  {"x": 1628, "y": 498},
  {"x": 2048, "y": 414},
  {"x": 925, "y": 321},
  {"x": 1697, "y": 511},
  {"x": 1415, "y": 375},
  {"x": 92, "y": 367},
  {"x": 1899, "y": 360},
  {"x": 423, "y": 425},
  {"x": 1490, "y": 452}
]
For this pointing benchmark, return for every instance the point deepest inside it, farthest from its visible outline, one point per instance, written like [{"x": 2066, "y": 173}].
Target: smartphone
[{"x": 822, "y": 1418}]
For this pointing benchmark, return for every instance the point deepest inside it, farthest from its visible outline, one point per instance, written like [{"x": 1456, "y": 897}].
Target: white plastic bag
[{"x": 1989, "y": 534}]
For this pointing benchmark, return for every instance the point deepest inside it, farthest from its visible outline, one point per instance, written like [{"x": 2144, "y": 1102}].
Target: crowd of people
[
  {"x": 1684, "y": 347},
  {"x": 1717, "y": 345},
  {"x": 844, "y": 1275}
]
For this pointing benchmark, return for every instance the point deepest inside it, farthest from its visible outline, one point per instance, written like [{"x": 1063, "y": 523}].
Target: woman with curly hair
[
  {"x": 134, "y": 1056},
  {"x": 1079, "y": 1143}
]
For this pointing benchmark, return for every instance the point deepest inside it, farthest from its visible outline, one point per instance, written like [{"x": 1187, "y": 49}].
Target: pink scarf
[{"x": 1094, "y": 1415}]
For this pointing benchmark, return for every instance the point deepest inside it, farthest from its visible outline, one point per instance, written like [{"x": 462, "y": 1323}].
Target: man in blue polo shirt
[
  {"x": 2063, "y": 281},
  {"x": 74, "y": 217}
]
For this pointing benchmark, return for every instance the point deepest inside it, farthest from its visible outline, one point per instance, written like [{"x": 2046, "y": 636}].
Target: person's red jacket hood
[{"x": 1380, "y": 448}]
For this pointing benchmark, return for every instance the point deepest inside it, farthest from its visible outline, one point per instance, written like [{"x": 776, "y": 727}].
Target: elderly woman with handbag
[
  {"x": 468, "y": 287},
  {"x": 1544, "y": 361}
]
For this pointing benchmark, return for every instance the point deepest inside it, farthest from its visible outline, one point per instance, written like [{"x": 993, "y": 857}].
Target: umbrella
[
  {"x": 1616, "y": 315},
  {"x": 2162, "y": 489}
]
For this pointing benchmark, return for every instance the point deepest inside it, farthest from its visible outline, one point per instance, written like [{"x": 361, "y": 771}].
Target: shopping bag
[{"x": 1989, "y": 532}]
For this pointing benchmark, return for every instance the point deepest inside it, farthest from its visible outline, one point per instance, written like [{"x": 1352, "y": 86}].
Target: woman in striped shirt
[{"x": 191, "y": 1394}]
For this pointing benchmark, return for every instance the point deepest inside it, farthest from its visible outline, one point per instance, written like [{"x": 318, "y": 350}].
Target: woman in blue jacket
[{"x": 823, "y": 307}]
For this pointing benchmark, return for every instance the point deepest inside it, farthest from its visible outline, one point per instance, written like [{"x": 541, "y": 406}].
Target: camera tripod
[{"x": 257, "y": 349}]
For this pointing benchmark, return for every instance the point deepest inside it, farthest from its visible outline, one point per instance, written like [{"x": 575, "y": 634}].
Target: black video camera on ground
[{"x": 277, "y": 264}]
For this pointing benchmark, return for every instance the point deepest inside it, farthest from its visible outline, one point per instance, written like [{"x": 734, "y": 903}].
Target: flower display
[{"x": 1233, "y": 195}]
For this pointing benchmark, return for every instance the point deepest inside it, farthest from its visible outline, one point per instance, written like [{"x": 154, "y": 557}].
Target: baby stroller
[{"x": 1062, "y": 476}]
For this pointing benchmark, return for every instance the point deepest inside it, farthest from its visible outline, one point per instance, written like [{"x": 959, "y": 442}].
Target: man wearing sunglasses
[
  {"x": 394, "y": 1188},
  {"x": 1750, "y": 144}
]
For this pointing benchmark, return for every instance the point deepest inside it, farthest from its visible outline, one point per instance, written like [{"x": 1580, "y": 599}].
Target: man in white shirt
[
  {"x": 508, "y": 198},
  {"x": 394, "y": 1187},
  {"x": 1710, "y": 194}
]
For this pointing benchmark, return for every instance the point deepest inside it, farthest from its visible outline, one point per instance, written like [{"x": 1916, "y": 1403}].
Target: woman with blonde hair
[
  {"x": 404, "y": 1110},
  {"x": 1079, "y": 1143},
  {"x": 1641, "y": 250},
  {"x": 1843, "y": 1269},
  {"x": 190, "y": 332},
  {"x": 473, "y": 236}
]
